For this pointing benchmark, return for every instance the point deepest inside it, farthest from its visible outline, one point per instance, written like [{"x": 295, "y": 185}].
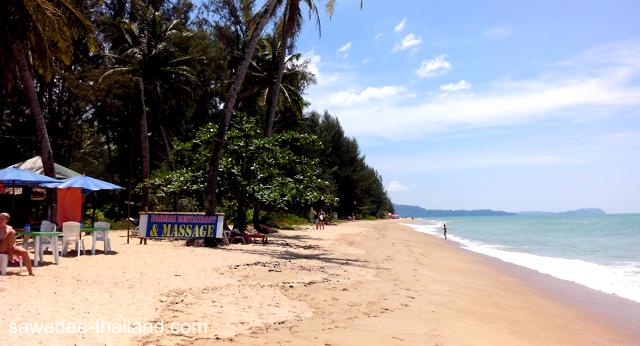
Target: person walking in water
[{"x": 445, "y": 231}]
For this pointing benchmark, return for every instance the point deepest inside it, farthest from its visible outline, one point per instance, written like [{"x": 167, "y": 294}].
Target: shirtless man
[{"x": 8, "y": 243}]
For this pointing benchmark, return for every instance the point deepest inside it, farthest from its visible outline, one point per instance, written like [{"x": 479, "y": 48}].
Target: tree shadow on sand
[{"x": 274, "y": 250}]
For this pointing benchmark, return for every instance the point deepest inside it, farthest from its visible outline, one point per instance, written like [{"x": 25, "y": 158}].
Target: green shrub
[
  {"x": 284, "y": 220},
  {"x": 121, "y": 224},
  {"x": 87, "y": 216}
]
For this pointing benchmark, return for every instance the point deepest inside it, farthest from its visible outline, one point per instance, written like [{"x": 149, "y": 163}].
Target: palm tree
[
  {"x": 260, "y": 21},
  {"x": 36, "y": 35},
  {"x": 254, "y": 97},
  {"x": 290, "y": 26},
  {"x": 144, "y": 50}
]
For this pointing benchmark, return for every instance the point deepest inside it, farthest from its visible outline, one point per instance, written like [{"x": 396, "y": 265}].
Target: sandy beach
[{"x": 358, "y": 283}]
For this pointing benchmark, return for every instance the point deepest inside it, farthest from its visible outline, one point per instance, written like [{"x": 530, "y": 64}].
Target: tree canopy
[{"x": 139, "y": 98}]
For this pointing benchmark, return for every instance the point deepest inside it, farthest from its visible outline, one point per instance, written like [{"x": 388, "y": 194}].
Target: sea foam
[{"x": 622, "y": 279}]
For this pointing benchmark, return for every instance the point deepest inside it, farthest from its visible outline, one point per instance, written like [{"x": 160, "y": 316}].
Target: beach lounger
[
  {"x": 245, "y": 238},
  {"x": 264, "y": 239},
  {"x": 234, "y": 235}
]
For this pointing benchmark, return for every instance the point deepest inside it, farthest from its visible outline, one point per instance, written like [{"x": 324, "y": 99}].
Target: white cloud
[
  {"x": 344, "y": 50},
  {"x": 351, "y": 97},
  {"x": 497, "y": 32},
  {"x": 509, "y": 104},
  {"x": 313, "y": 64},
  {"x": 400, "y": 25},
  {"x": 396, "y": 186},
  {"x": 314, "y": 60},
  {"x": 378, "y": 36},
  {"x": 468, "y": 161},
  {"x": 598, "y": 83},
  {"x": 453, "y": 87},
  {"x": 409, "y": 41},
  {"x": 434, "y": 67},
  {"x": 345, "y": 47}
]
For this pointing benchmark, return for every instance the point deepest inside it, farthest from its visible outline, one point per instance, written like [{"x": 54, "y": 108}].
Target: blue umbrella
[
  {"x": 16, "y": 176},
  {"x": 85, "y": 183}
]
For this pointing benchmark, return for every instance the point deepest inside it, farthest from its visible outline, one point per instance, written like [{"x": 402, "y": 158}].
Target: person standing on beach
[
  {"x": 316, "y": 219},
  {"x": 312, "y": 215},
  {"x": 445, "y": 231},
  {"x": 321, "y": 219},
  {"x": 8, "y": 243}
]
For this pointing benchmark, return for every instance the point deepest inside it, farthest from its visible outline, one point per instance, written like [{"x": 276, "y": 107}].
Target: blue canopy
[
  {"x": 15, "y": 176},
  {"x": 85, "y": 183}
]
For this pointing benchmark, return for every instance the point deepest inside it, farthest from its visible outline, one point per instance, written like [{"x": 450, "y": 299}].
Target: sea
[{"x": 600, "y": 252}]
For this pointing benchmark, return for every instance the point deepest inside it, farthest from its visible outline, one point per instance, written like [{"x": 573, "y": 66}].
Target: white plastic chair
[
  {"x": 46, "y": 226},
  {"x": 71, "y": 233},
  {"x": 48, "y": 242},
  {"x": 102, "y": 236},
  {"x": 4, "y": 263}
]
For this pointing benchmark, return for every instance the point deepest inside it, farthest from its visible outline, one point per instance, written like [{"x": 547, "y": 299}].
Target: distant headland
[
  {"x": 417, "y": 211},
  {"x": 577, "y": 212}
]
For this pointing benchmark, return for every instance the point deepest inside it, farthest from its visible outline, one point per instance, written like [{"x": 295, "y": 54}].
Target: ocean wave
[{"x": 622, "y": 279}]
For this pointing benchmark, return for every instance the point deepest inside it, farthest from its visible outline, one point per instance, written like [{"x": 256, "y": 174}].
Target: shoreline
[
  {"x": 357, "y": 283},
  {"x": 607, "y": 308}
]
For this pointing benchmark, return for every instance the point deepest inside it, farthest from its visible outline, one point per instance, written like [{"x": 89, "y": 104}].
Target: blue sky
[{"x": 508, "y": 105}]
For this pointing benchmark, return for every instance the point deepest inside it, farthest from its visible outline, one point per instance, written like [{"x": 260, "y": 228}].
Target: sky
[{"x": 508, "y": 105}]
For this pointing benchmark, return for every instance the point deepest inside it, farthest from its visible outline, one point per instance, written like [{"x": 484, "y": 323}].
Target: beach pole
[
  {"x": 13, "y": 199},
  {"x": 129, "y": 215}
]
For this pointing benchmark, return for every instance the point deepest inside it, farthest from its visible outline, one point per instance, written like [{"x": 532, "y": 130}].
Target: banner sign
[{"x": 180, "y": 225}]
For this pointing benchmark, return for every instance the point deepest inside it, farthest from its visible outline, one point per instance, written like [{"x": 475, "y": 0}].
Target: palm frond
[
  {"x": 331, "y": 6},
  {"x": 114, "y": 71}
]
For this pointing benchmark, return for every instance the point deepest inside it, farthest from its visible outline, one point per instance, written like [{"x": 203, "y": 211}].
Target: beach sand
[{"x": 359, "y": 283}]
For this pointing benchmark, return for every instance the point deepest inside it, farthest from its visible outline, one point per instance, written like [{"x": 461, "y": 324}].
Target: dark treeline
[{"x": 134, "y": 92}]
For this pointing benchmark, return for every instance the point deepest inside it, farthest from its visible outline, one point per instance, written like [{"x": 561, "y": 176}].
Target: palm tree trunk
[
  {"x": 144, "y": 147},
  {"x": 240, "y": 222},
  {"x": 275, "y": 92},
  {"x": 172, "y": 164},
  {"x": 41, "y": 126},
  {"x": 274, "y": 96},
  {"x": 257, "y": 208},
  {"x": 230, "y": 103}
]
